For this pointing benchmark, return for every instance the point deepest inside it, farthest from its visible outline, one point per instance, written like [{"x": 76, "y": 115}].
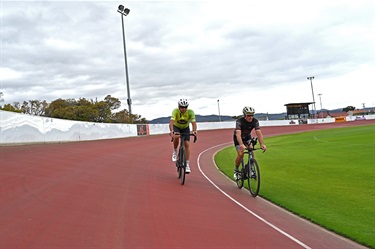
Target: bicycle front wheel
[
  {"x": 179, "y": 171},
  {"x": 254, "y": 178},
  {"x": 182, "y": 165},
  {"x": 240, "y": 180}
]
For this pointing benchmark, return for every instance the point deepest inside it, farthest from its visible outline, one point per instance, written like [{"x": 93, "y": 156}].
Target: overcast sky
[{"x": 256, "y": 53}]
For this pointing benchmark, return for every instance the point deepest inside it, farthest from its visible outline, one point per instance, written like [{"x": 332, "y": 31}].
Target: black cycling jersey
[{"x": 246, "y": 128}]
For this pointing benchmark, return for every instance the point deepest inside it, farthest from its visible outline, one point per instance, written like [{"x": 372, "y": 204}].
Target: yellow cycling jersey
[{"x": 182, "y": 120}]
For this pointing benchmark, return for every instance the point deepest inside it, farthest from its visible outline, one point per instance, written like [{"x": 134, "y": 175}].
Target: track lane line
[{"x": 245, "y": 208}]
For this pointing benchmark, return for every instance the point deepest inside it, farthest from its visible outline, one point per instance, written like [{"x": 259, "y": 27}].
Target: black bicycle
[
  {"x": 249, "y": 172},
  {"x": 181, "y": 156}
]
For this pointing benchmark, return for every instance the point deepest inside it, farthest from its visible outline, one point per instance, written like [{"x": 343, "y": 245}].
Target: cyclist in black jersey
[{"x": 242, "y": 135}]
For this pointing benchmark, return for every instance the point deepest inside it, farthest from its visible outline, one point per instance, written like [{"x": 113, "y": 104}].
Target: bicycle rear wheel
[
  {"x": 182, "y": 165},
  {"x": 254, "y": 178},
  {"x": 240, "y": 180}
]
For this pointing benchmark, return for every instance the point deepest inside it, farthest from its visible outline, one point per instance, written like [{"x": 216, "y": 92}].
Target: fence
[{"x": 18, "y": 128}]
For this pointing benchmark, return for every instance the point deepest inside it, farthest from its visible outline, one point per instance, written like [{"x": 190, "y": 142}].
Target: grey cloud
[{"x": 74, "y": 49}]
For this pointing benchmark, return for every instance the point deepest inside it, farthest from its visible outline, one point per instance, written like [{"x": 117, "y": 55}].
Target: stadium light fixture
[
  {"x": 312, "y": 91},
  {"x": 124, "y": 12}
]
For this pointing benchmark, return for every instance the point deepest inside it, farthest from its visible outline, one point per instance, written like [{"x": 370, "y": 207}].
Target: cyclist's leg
[
  {"x": 187, "y": 139},
  {"x": 238, "y": 159},
  {"x": 239, "y": 156},
  {"x": 239, "y": 152},
  {"x": 187, "y": 147},
  {"x": 247, "y": 143},
  {"x": 176, "y": 139}
]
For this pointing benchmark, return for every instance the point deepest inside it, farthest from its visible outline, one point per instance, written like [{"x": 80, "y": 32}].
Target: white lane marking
[{"x": 245, "y": 208}]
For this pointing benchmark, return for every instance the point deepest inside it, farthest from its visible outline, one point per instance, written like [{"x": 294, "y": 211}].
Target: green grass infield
[{"x": 326, "y": 176}]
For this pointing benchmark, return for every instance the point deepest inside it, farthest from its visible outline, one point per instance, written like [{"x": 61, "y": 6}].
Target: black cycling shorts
[
  {"x": 245, "y": 140},
  {"x": 185, "y": 130}
]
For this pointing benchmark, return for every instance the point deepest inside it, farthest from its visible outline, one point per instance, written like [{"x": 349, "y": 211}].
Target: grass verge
[{"x": 327, "y": 177}]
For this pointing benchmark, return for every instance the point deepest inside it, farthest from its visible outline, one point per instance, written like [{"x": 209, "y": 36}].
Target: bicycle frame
[
  {"x": 181, "y": 156},
  {"x": 250, "y": 171}
]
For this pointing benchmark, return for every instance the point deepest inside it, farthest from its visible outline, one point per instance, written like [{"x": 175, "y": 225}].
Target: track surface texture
[{"x": 124, "y": 193}]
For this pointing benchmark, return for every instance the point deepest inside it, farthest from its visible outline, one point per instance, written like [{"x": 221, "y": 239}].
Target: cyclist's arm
[
  {"x": 239, "y": 139},
  {"x": 194, "y": 124},
  {"x": 171, "y": 121},
  {"x": 260, "y": 138},
  {"x": 193, "y": 120}
]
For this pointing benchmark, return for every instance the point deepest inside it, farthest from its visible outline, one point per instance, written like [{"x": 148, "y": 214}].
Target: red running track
[{"x": 124, "y": 193}]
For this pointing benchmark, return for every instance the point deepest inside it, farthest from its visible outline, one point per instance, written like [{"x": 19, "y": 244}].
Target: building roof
[{"x": 302, "y": 103}]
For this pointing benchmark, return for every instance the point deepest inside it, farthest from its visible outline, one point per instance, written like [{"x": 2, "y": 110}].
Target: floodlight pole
[
  {"x": 312, "y": 91},
  {"x": 124, "y": 12},
  {"x": 320, "y": 99},
  {"x": 218, "y": 107}
]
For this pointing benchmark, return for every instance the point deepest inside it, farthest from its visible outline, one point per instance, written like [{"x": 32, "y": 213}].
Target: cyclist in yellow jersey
[{"x": 179, "y": 122}]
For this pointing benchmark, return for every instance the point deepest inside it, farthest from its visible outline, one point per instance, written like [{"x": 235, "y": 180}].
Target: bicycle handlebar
[
  {"x": 184, "y": 134},
  {"x": 253, "y": 141},
  {"x": 251, "y": 149}
]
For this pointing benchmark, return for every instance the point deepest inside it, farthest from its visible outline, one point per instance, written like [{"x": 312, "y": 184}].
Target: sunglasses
[
  {"x": 249, "y": 115},
  {"x": 184, "y": 107}
]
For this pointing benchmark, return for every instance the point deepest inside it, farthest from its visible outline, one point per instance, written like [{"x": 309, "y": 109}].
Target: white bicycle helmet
[
  {"x": 183, "y": 103},
  {"x": 247, "y": 110}
]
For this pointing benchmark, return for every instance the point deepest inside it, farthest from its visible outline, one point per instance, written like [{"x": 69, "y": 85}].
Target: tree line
[{"x": 80, "y": 110}]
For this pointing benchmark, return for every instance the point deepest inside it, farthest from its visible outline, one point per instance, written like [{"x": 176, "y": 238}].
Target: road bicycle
[
  {"x": 181, "y": 155},
  {"x": 249, "y": 172}
]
